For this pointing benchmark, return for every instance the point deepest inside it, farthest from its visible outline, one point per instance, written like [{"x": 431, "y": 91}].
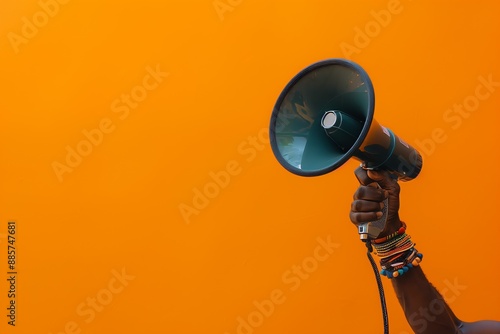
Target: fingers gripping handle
[{"x": 372, "y": 229}]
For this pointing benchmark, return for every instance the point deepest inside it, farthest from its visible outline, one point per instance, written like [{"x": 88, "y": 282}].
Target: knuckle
[
  {"x": 362, "y": 192},
  {"x": 352, "y": 217},
  {"x": 359, "y": 193}
]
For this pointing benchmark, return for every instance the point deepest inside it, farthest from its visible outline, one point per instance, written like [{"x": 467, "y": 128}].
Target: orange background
[{"x": 120, "y": 207}]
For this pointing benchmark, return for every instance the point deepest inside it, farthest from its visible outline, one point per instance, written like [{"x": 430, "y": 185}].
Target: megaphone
[{"x": 324, "y": 117}]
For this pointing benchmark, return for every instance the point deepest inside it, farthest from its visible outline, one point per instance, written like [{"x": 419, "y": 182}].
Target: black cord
[{"x": 380, "y": 286}]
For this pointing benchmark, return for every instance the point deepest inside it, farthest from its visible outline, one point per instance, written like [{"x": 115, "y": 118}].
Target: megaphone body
[{"x": 324, "y": 117}]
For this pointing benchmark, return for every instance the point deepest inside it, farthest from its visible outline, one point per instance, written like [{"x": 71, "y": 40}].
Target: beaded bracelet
[
  {"x": 384, "y": 250},
  {"x": 397, "y": 253},
  {"x": 399, "y": 269}
]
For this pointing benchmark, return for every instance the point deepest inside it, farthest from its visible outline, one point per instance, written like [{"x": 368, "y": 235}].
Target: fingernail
[
  {"x": 381, "y": 205},
  {"x": 379, "y": 214}
]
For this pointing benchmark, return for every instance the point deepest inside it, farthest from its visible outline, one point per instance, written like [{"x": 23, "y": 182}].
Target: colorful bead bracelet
[
  {"x": 404, "y": 268},
  {"x": 397, "y": 253}
]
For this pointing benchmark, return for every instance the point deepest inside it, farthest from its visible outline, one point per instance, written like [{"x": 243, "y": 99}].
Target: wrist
[
  {"x": 392, "y": 226},
  {"x": 391, "y": 233}
]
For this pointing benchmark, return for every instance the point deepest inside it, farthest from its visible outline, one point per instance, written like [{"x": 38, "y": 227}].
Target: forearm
[{"x": 424, "y": 307}]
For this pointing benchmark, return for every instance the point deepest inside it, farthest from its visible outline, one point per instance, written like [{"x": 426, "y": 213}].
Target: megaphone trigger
[{"x": 362, "y": 176}]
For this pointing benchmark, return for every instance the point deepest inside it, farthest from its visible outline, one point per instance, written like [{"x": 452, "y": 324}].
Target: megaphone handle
[{"x": 373, "y": 229}]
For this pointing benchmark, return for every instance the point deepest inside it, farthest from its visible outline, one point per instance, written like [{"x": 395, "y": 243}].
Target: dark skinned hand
[{"x": 368, "y": 199}]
